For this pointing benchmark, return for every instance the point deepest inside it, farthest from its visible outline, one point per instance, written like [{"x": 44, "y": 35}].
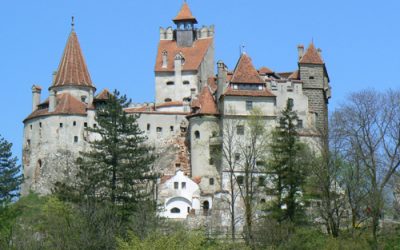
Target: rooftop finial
[
  {"x": 72, "y": 22},
  {"x": 242, "y": 49}
]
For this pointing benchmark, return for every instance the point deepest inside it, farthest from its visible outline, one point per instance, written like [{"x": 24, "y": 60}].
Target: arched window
[
  {"x": 197, "y": 134},
  {"x": 175, "y": 210},
  {"x": 167, "y": 100},
  {"x": 37, "y": 170},
  {"x": 206, "y": 207}
]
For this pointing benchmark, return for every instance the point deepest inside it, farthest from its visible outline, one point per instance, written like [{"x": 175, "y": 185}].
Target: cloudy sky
[{"x": 360, "y": 42}]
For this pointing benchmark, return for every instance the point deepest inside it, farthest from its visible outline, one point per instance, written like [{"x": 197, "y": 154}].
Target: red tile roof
[
  {"x": 170, "y": 104},
  {"x": 66, "y": 105},
  {"x": 294, "y": 76},
  {"x": 185, "y": 14},
  {"x": 264, "y": 71},
  {"x": 207, "y": 102},
  {"x": 212, "y": 82},
  {"x": 193, "y": 55},
  {"x": 72, "y": 69},
  {"x": 311, "y": 56},
  {"x": 255, "y": 93},
  {"x": 103, "y": 95},
  {"x": 245, "y": 72},
  {"x": 285, "y": 74}
]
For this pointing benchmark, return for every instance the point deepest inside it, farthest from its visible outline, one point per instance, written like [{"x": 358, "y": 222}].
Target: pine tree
[
  {"x": 117, "y": 169},
  {"x": 10, "y": 175},
  {"x": 287, "y": 164}
]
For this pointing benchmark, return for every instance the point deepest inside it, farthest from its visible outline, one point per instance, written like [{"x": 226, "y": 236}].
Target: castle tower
[
  {"x": 54, "y": 133},
  {"x": 185, "y": 58},
  {"x": 204, "y": 140},
  {"x": 316, "y": 87}
]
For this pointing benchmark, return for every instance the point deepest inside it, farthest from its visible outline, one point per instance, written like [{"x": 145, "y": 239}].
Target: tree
[
  {"x": 10, "y": 173},
  {"x": 252, "y": 149},
  {"x": 118, "y": 167},
  {"x": 369, "y": 125},
  {"x": 287, "y": 165}
]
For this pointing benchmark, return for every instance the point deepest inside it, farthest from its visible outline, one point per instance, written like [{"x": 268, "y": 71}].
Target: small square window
[
  {"x": 237, "y": 156},
  {"x": 74, "y": 123},
  {"x": 176, "y": 185},
  {"x": 94, "y": 125},
  {"x": 240, "y": 129},
  {"x": 75, "y": 139},
  {"x": 290, "y": 102},
  {"x": 261, "y": 181},
  {"x": 148, "y": 126},
  {"x": 159, "y": 129},
  {"x": 183, "y": 185},
  {"x": 186, "y": 82},
  {"x": 85, "y": 124},
  {"x": 177, "y": 165},
  {"x": 28, "y": 142},
  {"x": 61, "y": 125},
  {"x": 249, "y": 105},
  {"x": 171, "y": 128}
]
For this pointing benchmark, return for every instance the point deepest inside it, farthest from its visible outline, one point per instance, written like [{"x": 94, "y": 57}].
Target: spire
[
  {"x": 72, "y": 70},
  {"x": 245, "y": 71},
  {"x": 185, "y": 14},
  {"x": 311, "y": 56}
]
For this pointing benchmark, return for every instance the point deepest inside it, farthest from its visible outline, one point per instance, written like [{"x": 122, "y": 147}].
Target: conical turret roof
[
  {"x": 311, "y": 56},
  {"x": 72, "y": 70},
  {"x": 185, "y": 14}
]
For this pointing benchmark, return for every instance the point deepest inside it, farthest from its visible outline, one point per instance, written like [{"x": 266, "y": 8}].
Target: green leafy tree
[{"x": 287, "y": 162}]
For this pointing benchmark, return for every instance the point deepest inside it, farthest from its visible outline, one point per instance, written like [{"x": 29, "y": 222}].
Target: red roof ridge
[
  {"x": 311, "y": 56},
  {"x": 185, "y": 14},
  {"x": 207, "y": 102},
  {"x": 245, "y": 72},
  {"x": 265, "y": 70},
  {"x": 103, "y": 95},
  {"x": 72, "y": 69}
]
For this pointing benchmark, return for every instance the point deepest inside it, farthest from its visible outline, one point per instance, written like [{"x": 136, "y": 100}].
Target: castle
[{"x": 185, "y": 123}]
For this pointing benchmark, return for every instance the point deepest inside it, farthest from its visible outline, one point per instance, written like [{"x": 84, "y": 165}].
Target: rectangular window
[
  {"x": 40, "y": 124},
  {"x": 29, "y": 142},
  {"x": 183, "y": 185},
  {"x": 31, "y": 126},
  {"x": 74, "y": 123},
  {"x": 170, "y": 83},
  {"x": 61, "y": 125},
  {"x": 239, "y": 180},
  {"x": 299, "y": 123},
  {"x": 240, "y": 129},
  {"x": 75, "y": 139},
  {"x": 159, "y": 129},
  {"x": 85, "y": 124},
  {"x": 249, "y": 105},
  {"x": 95, "y": 125},
  {"x": 176, "y": 185},
  {"x": 261, "y": 181},
  {"x": 211, "y": 181},
  {"x": 290, "y": 102},
  {"x": 148, "y": 126},
  {"x": 211, "y": 161},
  {"x": 177, "y": 165},
  {"x": 171, "y": 128}
]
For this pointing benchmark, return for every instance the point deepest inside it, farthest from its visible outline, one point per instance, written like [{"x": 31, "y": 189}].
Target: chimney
[
  {"x": 192, "y": 94},
  {"x": 300, "y": 51},
  {"x": 36, "y": 91},
  {"x": 164, "y": 59},
  {"x": 179, "y": 59},
  {"x": 54, "y": 76},
  {"x": 221, "y": 78},
  {"x": 90, "y": 100},
  {"x": 52, "y": 101}
]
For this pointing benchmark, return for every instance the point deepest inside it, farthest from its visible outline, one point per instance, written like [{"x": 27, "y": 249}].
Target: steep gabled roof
[
  {"x": 245, "y": 72},
  {"x": 311, "y": 56},
  {"x": 193, "y": 55},
  {"x": 72, "y": 70},
  {"x": 265, "y": 70},
  {"x": 185, "y": 14},
  {"x": 103, "y": 95},
  {"x": 207, "y": 102}
]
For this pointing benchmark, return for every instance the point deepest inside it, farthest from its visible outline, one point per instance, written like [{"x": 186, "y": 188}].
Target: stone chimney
[
  {"x": 221, "y": 78},
  {"x": 52, "y": 101},
  {"x": 36, "y": 91},
  {"x": 164, "y": 59},
  {"x": 300, "y": 51},
  {"x": 54, "y": 76},
  {"x": 178, "y": 62},
  {"x": 90, "y": 99}
]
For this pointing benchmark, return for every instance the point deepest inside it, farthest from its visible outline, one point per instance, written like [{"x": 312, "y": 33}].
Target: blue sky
[{"x": 360, "y": 40}]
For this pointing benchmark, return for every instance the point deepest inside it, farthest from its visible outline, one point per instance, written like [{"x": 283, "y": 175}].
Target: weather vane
[{"x": 72, "y": 22}]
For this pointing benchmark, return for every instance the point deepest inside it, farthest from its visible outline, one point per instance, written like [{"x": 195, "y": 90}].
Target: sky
[{"x": 360, "y": 42}]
